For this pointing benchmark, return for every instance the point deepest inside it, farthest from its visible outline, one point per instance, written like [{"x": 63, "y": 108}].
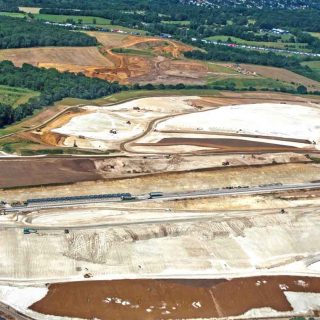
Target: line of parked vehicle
[{"x": 268, "y": 49}]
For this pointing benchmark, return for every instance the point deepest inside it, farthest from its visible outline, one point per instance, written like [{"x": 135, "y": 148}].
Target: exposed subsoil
[
  {"x": 171, "y": 299},
  {"x": 221, "y": 143},
  {"x": 42, "y": 171}
]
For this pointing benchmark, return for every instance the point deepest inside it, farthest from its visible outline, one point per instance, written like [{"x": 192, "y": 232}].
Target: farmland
[
  {"x": 131, "y": 59},
  {"x": 314, "y": 65},
  {"x": 15, "y": 96},
  {"x": 75, "y": 19},
  {"x": 278, "y": 45}
]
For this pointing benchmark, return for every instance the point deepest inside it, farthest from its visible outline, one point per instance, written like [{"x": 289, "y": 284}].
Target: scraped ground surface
[
  {"x": 158, "y": 65},
  {"x": 277, "y": 120},
  {"x": 181, "y": 298},
  {"x": 62, "y": 58},
  {"x": 190, "y": 124},
  {"x": 45, "y": 171},
  {"x": 160, "y": 243},
  {"x": 166, "y": 182}
]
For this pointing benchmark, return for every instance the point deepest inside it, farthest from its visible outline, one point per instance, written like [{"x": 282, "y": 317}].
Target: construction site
[{"x": 196, "y": 208}]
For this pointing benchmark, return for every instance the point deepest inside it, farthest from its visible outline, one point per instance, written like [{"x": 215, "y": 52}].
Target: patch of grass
[
  {"x": 15, "y": 96},
  {"x": 314, "y": 159},
  {"x": 86, "y": 20},
  {"x": 257, "y": 83},
  {"x": 65, "y": 18},
  {"x": 134, "y": 94},
  {"x": 218, "y": 68},
  {"x": 125, "y": 29},
  {"x": 315, "y": 34},
  {"x": 129, "y": 95},
  {"x": 13, "y": 145},
  {"x": 135, "y": 52},
  {"x": 277, "y": 45},
  {"x": 314, "y": 65},
  {"x": 12, "y": 14},
  {"x": 177, "y": 22}
]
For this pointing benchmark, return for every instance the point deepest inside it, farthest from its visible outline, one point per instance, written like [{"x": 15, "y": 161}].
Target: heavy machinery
[
  {"x": 29, "y": 231},
  {"x": 155, "y": 195},
  {"x": 128, "y": 198}
]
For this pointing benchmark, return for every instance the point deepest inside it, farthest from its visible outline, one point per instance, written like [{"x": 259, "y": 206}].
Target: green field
[
  {"x": 218, "y": 68},
  {"x": 76, "y": 19},
  {"x": 277, "y": 45},
  {"x": 61, "y": 18},
  {"x": 134, "y": 52},
  {"x": 314, "y": 65},
  {"x": 86, "y": 20},
  {"x": 12, "y": 14},
  {"x": 15, "y": 96},
  {"x": 135, "y": 94},
  {"x": 315, "y": 34}
]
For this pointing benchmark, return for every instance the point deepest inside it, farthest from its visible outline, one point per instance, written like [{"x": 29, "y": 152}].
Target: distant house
[
  {"x": 279, "y": 31},
  {"x": 165, "y": 35}
]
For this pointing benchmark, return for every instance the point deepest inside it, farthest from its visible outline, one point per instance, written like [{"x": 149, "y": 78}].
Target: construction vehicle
[
  {"x": 128, "y": 198},
  {"x": 29, "y": 231},
  {"x": 155, "y": 195}
]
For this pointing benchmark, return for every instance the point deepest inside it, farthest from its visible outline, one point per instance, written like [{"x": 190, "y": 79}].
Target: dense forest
[
  {"x": 135, "y": 13},
  {"x": 52, "y": 85},
  {"x": 22, "y": 33}
]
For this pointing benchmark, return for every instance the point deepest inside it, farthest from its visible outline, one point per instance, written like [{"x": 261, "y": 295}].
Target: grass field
[
  {"x": 218, "y": 68},
  {"x": 15, "y": 96},
  {"x": 135, "y": 52},
  {"x": 278, "y": 45},
  {"x": 314, "y": 65},
  {"x": 88, "y": 20},
  {"x": 136, "y": 94},
  {"x": 65, "y": 18},
  {"x": 315, "y": 34},
  {"x": 12, "y": 14}
]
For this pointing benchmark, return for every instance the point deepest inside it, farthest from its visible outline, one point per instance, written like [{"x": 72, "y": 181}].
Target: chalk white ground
[
  {"x": 128, "y": 119},
  {"x": 230, "y": 245},
  {"x": 303, "y": 301},
  {"x": 281, "y": 120}
]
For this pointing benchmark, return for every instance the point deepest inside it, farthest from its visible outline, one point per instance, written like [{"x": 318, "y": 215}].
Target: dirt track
[{"x": 172, "y": 299}]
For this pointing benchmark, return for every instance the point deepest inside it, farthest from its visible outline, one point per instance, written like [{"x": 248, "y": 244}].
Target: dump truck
[
  {"x": 29, "y": 231},
  {"x": 155, "y": 195},
  {"x": 128, "y": 198}
]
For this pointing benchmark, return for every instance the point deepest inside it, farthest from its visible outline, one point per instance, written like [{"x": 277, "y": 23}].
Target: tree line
[
  {"x": 52, "y": 85},
  {"x": 238, "y": 55},
  {"x": 24, "y": 33}
]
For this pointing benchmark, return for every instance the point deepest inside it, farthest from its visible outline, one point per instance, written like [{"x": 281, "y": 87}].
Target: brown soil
[
  {"x": 65, "y": 57},
  {"x": 41, "y": 171},
  {"x": 171, "y": 299},
  {"x": 105, "y": 64},
  {"x": 235, "y": 145},
  {"x": 35, "y": 172}
]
